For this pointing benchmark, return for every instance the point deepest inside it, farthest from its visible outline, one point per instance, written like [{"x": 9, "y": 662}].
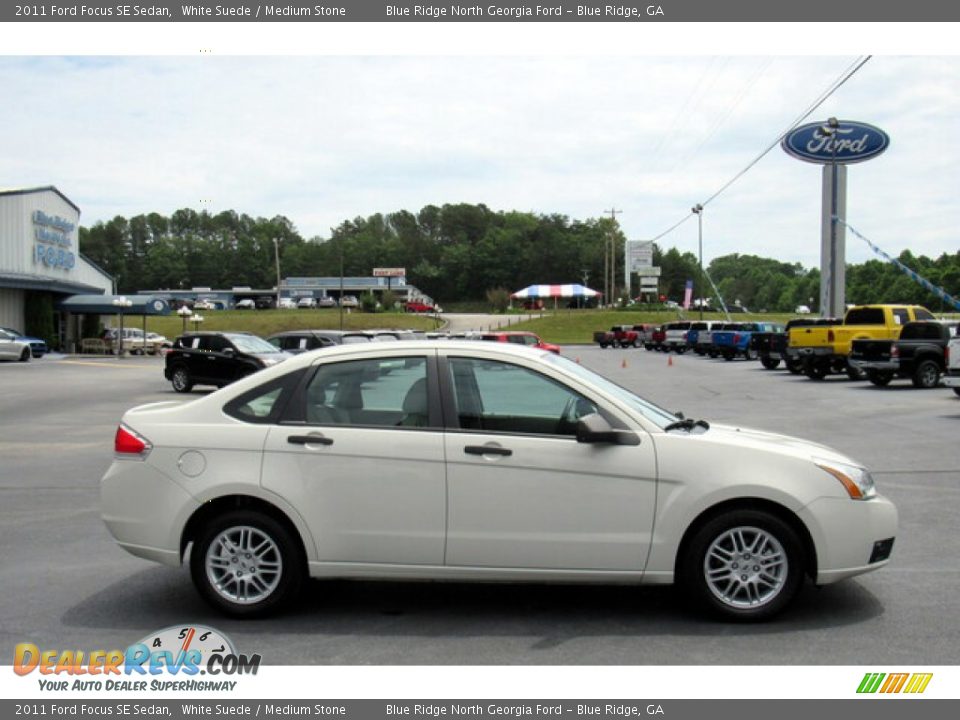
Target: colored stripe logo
[{"x": 912, "y": 683}]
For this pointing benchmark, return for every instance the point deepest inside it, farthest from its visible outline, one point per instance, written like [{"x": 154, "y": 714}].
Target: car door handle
[
  {"x": 487, "y": 450},
  {"x": 309, "y": 440}
]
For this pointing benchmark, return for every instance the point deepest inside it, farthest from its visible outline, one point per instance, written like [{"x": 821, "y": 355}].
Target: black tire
[
  {"x": 879, "y": 377},
  {"x": 279, "y": 570},
  {"x": 795, "y": 366},
  {"x": 750, "y": 354},
  {"x": 926, "y": 375},
  {"x": 25, "y": 355},
  {"x": 181, "y": 380},
  {"x": 681, "y": 350},
  {"x": 816, "y": 371},
  {"x": 603, "y": 346},
  {"x": 712, "y": 353},
  {"x": 728, "y": 356},
  {"x": 770, "y": 363},
  {"x": 855, "y": 373},
  {"x": 956, "y": 391},
  {"x": 773, "y": 590}
]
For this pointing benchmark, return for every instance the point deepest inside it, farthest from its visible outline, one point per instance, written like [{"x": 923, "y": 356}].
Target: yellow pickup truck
[{"x": 824, "y": 349}]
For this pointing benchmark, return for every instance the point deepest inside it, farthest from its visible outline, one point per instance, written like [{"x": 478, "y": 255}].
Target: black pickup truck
[
  {"x": 919, "y": 354},
  {"x": 771, "y": 347}
]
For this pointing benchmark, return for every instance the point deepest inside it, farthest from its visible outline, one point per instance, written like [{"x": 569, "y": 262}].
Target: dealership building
[{"x": 40, "y": 257}]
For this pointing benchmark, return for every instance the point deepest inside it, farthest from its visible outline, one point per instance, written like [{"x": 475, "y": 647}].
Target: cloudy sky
[{"x": 324, "y": 139}]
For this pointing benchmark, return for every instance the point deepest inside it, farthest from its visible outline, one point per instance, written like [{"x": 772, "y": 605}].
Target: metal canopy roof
[{"x": 103, "y": 305}]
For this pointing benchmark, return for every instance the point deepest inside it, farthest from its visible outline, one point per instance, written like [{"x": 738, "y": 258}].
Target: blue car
[{"x": 38, "y": 348}]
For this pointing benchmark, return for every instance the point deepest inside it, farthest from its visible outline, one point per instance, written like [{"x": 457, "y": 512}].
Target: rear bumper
[
  {"x": 952, "y": 381},
  {"x": 883, "y": 365}
]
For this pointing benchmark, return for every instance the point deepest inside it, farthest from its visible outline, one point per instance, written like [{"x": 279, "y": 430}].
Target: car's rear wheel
[
  {"x": 744, "y": 565},
  {"x": 181, "y": 380},
  {"x": 879, "y": 377},
  {"x": 246, "y": 563},
  {"x": 816, "y": 371},
  {"x": 927, "y": 375},
  {"x": 25, "y": 355},
  {"x": 770, "y": 363}
]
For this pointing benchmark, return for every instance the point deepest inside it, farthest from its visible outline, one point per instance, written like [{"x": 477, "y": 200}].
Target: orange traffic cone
[
  {"x": 669, "y": 360},
  {"x": 623, "y": 364}
]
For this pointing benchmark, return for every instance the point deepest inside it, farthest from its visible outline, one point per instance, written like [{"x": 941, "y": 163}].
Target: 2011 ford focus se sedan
[{"x": 479, "y": 461}]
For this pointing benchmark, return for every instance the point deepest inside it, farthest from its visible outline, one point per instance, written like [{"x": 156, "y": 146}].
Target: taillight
[
  {"x": 736, "y": 338},
  {"x": 894, "y": 352},
  {"x": 128, "y": 443}
]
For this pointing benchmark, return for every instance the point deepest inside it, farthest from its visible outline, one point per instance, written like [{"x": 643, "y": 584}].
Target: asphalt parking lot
[{"x": 66, "y": 584}]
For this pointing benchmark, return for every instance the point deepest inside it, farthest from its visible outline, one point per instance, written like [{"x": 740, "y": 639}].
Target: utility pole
[{"x": 610, "y": 251}]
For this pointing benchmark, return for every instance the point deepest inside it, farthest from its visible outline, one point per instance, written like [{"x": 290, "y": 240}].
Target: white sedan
[
  {"x": 483, "y": 461},
  {"x": 13, "y": 349}
]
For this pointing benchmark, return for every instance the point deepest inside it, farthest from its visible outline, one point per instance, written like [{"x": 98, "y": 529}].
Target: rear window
[
  {"x": 865, "y": 316},
  {"x": 921, "y": 331}
]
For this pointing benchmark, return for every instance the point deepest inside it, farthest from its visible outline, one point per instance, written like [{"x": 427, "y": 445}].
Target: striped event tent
[
  {"x": 572, "y": 290},
  {"x": 555, "y": 291}
]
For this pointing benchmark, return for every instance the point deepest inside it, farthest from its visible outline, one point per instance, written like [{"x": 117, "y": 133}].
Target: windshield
[
  {"x": 251, "y": 344},
  {"x": 657, "y": 415}
]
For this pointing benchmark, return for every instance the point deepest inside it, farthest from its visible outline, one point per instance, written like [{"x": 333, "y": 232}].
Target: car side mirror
[
  {"x": 594, "y": 428},
  {"x": 228, "y": 351}
]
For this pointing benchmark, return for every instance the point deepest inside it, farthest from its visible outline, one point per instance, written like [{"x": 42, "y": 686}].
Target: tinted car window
[
  {"x": 500, "y": 397},
  {"x": 265, "y": 403},
  {"x": 213, "y": 343},
  {"x": 901, "y": 316},
  {"x": 864, "y": 316},
  {"x": 251, "y": 344},
  {"x": 923, "y": 314},
  {"x": 387, "y": 392}
]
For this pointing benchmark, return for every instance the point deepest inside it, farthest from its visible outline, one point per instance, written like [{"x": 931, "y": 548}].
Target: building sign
[
  {"x": 851, "y": 142},
  {"x": 52, "y": 241},
  {"x": 390, "y": 272},
  {"x": 639, "y": 254}
]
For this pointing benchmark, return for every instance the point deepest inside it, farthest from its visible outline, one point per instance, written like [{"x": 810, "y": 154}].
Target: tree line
[{"x": 459, "y": 252}]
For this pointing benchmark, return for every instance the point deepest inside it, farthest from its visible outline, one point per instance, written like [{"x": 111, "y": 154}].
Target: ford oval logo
[{"x": 853, "y": 142}]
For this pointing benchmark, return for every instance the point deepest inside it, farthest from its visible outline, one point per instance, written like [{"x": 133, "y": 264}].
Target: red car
[
  {"x": 521, "y": 338},
  {"x": 418, "y": 307}
]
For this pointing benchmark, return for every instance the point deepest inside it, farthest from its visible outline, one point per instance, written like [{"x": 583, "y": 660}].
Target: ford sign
[{"x": 852, "y": 142}]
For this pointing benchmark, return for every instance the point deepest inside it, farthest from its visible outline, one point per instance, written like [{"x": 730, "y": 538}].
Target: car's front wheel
[
  {"x": 25, "y": 355},
  {"x": 744, "y": 565},
  {"x": 181, "y": 380},
  {"x": 246, "y": 563}
]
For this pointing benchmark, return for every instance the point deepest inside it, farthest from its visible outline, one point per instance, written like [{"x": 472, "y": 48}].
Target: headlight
[{"x": 856, "y": 480}]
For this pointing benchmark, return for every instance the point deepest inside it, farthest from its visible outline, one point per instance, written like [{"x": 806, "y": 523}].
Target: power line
[{"x": 822, "y": 98}]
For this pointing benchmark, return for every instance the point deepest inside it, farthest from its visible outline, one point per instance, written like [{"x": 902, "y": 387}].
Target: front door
[{"x": 523, "y": 493}]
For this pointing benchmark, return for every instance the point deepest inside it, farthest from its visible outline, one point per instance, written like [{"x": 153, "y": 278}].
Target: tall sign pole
[
  {"x": 834, "y": 144},
  {"x": 611, "y": 268}
]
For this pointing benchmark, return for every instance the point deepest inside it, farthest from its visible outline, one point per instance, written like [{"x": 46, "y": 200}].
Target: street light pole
[
  {"x": 340, "y": 304},
  {"x": 121, "y": 303},
  {"x": 184, "y": 312},
  {"x": 698, "y": 211},
  {"x": 276, "y": 256}
]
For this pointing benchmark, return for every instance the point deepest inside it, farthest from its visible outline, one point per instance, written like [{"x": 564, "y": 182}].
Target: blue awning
[{"x": 103, "y": 305}]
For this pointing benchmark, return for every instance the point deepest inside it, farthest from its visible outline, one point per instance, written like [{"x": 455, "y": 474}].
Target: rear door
[{"x": 360, "y": 454}]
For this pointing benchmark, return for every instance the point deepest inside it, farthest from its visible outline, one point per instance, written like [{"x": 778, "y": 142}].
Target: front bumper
[{"x": 851, "y": 536}]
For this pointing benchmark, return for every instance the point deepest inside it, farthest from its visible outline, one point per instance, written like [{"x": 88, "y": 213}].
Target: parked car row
[
  {"x": 878, "y": 343},
  {"x": 219, "y": 358}
]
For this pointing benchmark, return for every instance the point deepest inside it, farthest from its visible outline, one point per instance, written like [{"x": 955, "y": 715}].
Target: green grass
[
  {"x": 578, "y": 326},
  {"x": 268, "y": 322}
]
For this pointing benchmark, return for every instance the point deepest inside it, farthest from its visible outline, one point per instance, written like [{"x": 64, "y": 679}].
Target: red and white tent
[{"x": 555, "y": 291}]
